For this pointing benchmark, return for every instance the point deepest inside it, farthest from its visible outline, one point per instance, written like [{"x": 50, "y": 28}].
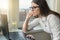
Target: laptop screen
[{"x": 4, "y": 25}]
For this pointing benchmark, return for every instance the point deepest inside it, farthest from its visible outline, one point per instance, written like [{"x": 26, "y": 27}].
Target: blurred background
[{"x": 13, "y": 13}]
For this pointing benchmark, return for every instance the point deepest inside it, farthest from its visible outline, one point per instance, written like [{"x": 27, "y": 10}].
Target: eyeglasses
[{"x": 34, "y": 7}]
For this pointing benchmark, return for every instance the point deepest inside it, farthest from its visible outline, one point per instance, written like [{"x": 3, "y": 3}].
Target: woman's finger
[{"x": 30, "y": 36}]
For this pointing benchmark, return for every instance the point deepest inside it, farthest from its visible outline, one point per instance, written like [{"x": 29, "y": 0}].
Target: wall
[
  {"x": 57, "y": 6},
  {"x": 54, "y": 5},
  {"x": 51, "y": 4}
]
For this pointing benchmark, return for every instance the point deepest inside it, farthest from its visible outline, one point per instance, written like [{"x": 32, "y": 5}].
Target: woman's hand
[
  {"x": 25, "y": 24},
  {"x": 29, "y": 14},
  {"x": 30, "y": 37}
]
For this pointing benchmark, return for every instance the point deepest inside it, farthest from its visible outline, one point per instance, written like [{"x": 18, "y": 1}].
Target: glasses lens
[{"x": 34, "y": 7}]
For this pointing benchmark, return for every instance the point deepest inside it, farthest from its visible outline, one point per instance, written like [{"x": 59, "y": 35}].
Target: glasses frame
[{"x": 34, "y": 7}]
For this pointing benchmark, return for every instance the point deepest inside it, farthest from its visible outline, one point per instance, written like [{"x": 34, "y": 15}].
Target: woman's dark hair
[{"x": 44, "y": 8}]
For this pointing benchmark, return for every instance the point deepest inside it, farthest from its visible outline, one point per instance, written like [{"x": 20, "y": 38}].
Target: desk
[
  {"x": 2, "y": 37},
  {"x": 16, "y": 35}
]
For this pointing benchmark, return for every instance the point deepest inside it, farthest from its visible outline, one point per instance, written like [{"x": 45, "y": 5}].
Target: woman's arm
[
  {"x": 55, "y": 26},
  {"x": 27, "y": 25},
  {"x": 32, "y": 24}
]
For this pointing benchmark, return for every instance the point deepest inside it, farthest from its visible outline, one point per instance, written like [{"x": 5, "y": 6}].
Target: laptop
[{"x": 4, "y": 25}]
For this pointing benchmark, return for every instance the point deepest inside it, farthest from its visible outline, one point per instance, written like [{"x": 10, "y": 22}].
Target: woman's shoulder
[
  {"x": 53, "y": 15},
  {"x": 50, "y": 15}
]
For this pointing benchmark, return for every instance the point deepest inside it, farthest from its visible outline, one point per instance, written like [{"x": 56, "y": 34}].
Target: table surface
[{"x": 2, "y": 37}]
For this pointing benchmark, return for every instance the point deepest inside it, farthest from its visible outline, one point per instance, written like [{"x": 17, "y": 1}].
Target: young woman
[{"x": 44, "y": 16}]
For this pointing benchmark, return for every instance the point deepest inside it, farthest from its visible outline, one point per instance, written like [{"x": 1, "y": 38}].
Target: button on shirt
[{"x": 50, "y": 24}]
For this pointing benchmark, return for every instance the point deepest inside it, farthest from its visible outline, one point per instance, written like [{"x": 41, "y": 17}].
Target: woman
[{"x": 44, "y": 16}]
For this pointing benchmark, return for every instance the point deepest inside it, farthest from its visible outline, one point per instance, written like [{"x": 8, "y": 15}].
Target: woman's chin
[{"x": 35, "y": 16}]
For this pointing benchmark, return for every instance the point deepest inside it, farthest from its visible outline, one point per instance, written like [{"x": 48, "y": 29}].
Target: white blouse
[{"x": 50, "y": 24}]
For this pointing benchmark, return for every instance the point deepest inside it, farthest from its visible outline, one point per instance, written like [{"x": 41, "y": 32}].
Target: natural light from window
[
  {"x": 24, "y": 4},
  {"x": 3, "y": 4}
]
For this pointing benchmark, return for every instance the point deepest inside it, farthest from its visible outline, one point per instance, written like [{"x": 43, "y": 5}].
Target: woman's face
[{"x": 35, "y": 9}]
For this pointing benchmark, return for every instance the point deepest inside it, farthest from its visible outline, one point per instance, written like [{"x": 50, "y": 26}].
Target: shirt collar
[{"x": 44, "y": 19}]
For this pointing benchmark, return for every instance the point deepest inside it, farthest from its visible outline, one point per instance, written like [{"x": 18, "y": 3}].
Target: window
[
  {"x": 23, "y": 9},
  {"x": 24, "y": 4},
  {"x": 3, "y": 6}
]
